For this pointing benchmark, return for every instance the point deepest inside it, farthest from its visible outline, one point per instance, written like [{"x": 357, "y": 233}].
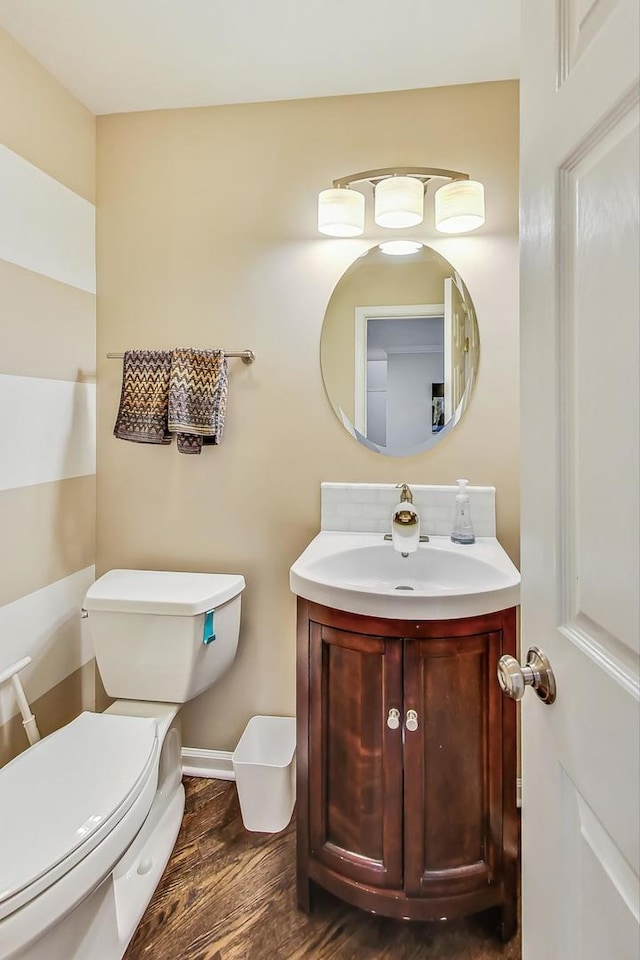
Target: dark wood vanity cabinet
[{"x": 411, "y": 813}]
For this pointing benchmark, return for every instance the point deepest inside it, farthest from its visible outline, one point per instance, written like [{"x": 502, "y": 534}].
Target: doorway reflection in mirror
[{"x": 400, "y": 350}]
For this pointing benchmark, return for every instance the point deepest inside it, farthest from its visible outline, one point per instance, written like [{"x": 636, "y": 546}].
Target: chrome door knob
[
  {"x": 393, "y": 719},
  {"x": 411, "y": 723},
  {"x": 537, "y": 673}
]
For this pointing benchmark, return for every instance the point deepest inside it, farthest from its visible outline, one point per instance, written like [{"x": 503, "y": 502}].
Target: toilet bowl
[{"x": 90, "y": 814}]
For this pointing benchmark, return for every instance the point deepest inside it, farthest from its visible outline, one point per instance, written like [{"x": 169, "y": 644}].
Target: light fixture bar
[{"x": 418, "y": 172}]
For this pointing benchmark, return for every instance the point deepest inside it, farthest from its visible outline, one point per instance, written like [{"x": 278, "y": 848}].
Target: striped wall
[{"x": 47, "y": 396}]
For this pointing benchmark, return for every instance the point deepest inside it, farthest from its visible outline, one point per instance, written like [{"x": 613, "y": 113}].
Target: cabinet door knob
[
  {"x": 393, "y": 718},
  {"x": 411, "y": 723}
]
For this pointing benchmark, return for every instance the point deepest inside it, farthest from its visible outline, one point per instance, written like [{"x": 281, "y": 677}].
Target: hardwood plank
[{"x": 228, "y": 894}]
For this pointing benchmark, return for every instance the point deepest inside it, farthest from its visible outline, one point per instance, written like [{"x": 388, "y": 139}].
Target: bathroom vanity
[
  {"x": 406, "y": 763},
  {"x": 406, "y": 747}
]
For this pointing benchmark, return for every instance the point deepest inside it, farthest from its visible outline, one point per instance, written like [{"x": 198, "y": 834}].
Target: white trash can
[{"x": 265, "y": 769}]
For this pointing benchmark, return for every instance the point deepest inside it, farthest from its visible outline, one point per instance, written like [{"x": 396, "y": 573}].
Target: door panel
[
  {"x": 580, "y": 529},
  {"x": 453, "y": 789},
  {"x": 355, "y": 759},
  {"x": 580, "y": 22},
  {"x": 594, "y": 872},
  {"x": 601, "y": 403}
]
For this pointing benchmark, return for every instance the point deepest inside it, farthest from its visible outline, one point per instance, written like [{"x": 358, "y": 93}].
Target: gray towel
[
  {"x": 144, "y": 400},
  {"x": 197, "y": 397}
]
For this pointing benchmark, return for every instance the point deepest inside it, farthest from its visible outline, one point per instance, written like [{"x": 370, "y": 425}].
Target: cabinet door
[
  {"x": 355, "y": 758},
  {"x": 453, "y": 766}
]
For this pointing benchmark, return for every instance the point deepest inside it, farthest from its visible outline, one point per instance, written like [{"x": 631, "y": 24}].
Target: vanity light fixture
[{"x": 399, "y": 201}]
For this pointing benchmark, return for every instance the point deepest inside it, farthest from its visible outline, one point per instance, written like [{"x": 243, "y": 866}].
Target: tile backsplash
[{"x": 367, "y": 507}]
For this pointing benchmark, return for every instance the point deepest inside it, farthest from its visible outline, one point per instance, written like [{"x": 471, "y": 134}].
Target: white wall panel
[
  {"x": 48, "y": 430},
  {"x": 46, "y": 626},
  {"x": 44, "y": 226}
]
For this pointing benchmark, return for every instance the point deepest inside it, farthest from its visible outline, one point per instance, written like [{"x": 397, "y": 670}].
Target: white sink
[{"x": 362, "y": 573}]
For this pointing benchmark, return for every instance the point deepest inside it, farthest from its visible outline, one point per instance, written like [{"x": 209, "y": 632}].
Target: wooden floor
[{"x": 230, "y": 895}]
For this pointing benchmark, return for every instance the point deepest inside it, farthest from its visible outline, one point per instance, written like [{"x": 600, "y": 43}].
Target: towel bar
[{"x": 248, "y": 356}]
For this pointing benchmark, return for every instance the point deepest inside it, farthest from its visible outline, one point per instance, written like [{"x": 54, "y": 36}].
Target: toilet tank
[{"x": 163, "y": 636}]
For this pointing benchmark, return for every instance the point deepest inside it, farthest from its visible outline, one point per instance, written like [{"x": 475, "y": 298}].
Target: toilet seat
[{"x": 61, "y": 798}]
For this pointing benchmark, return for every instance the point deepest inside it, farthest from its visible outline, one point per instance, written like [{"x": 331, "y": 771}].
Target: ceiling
[{"x": 123, "y": 55}]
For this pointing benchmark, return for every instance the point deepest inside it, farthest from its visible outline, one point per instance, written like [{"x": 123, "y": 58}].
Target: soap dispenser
[{"x": 462, "y": 527}]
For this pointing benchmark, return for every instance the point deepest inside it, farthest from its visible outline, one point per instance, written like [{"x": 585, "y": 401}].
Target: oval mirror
[{"x": 399, "y": 350}]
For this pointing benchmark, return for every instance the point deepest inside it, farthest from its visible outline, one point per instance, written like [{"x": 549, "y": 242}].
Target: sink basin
[{"x": 362, "y": 573}]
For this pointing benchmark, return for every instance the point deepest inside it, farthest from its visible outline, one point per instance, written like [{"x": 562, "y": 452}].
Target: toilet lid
[{"x": 62, "y": 796}]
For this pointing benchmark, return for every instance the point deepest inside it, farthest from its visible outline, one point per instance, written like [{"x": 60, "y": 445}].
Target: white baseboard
[{"x": 215, "y": 764}]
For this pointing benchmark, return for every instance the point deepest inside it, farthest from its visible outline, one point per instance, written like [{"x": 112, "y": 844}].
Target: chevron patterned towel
[
  {"x": 197, "y": 397},
  {"x": 142, "y": 416}
]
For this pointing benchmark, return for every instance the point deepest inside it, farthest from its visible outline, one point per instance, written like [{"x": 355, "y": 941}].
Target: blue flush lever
[{"x": 208, "y": 634}]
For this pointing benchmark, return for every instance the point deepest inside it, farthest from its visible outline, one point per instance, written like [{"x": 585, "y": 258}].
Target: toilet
[{"x": 90, "y": 814}]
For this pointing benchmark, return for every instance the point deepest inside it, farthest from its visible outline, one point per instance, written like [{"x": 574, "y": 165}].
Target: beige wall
[
  {"x": 206, "y": 237},
  {"x": 47, "y": 388},
  {"x": 42, "y": 122}
]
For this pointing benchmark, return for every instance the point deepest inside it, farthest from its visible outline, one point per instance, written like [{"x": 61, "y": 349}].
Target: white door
[{"x": 580, "y": 533}]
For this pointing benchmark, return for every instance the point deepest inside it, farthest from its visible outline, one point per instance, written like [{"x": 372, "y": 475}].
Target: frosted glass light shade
[
  {"x": 399, "y": 202},
  {"x": 459, "y": 206},
  {"x": 341, "y": 212}
]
